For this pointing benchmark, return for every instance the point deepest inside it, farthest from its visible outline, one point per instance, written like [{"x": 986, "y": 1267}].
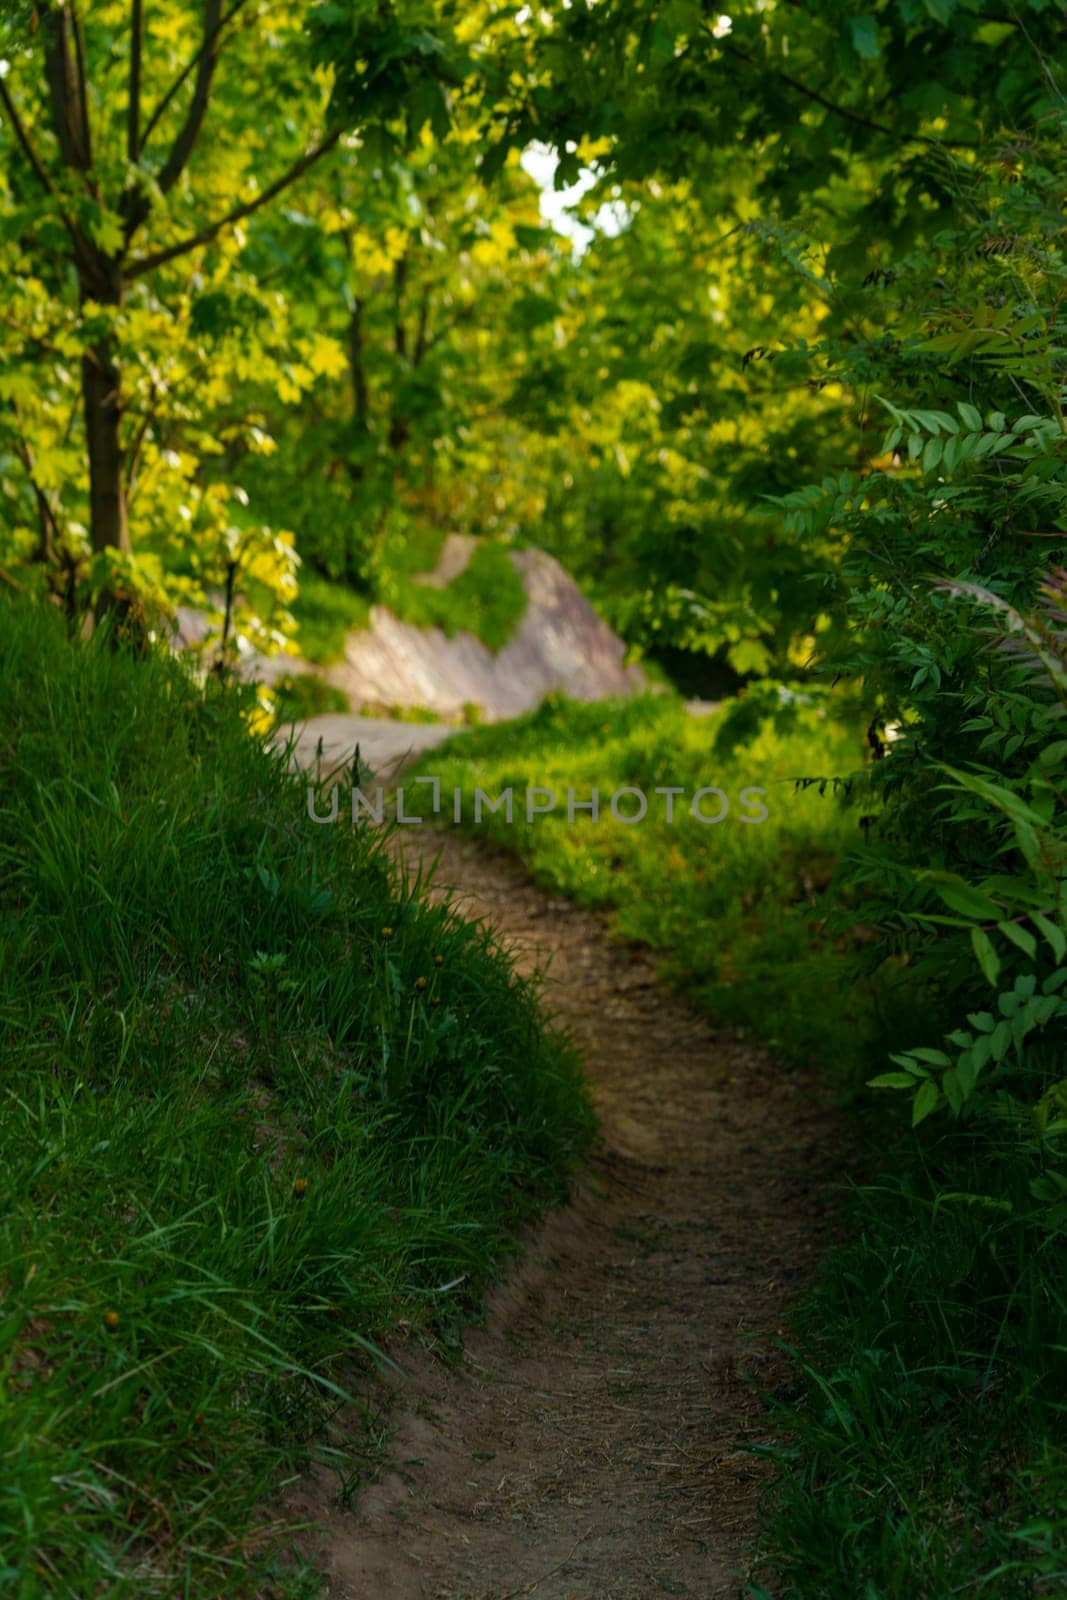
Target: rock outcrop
[{"x": 561, "y": 644}]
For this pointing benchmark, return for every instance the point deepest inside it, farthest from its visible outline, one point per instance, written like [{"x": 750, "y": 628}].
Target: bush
[{"x": 925, "y": 1456}]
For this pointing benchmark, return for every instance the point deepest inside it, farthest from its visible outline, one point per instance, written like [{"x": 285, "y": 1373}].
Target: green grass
[
  {"x": 487, "y": 598},
  {"x": 304, "y": 694},
  {"x": 731, "y": 905},
  {"x": 325, "y": 613},
  {"x": 260, "y": 1101},
  {"x": 922, "y": 1455},
  {"x": 421, "y": 714}
]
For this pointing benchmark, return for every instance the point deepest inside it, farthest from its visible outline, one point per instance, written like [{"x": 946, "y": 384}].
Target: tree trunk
[
  {"x": 398, "y": 424},
  {"x": 99, "y": 282},
  {"x": 358, "y": 371},
  {"x": 358, "y": 454},
  {"x": 102, "y": 403},
  {"x": 103, "y": 415}
]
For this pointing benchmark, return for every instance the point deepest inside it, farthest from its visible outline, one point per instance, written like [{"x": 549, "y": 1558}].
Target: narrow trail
[{"x": 588, "y": 1444}]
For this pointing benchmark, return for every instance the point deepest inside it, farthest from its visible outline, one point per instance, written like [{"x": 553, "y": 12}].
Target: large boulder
[{"x": 561, "y": 644}]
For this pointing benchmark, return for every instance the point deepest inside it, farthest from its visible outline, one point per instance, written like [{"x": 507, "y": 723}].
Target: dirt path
[{"x": 587, "y": 1445}]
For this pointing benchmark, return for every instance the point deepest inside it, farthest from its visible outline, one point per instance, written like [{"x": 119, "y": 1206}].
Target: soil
[{"x": 589, "y": 1443}]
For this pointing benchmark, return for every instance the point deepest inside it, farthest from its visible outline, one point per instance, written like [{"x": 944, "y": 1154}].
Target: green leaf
[
  {"x": 1020, "y": 937},
  {"x": 1054, "y": 934},
  {"x": 936, "y": 421},
  {"x": 1014, "y": 891},
  {"x": 1005, "y": 800},
  {"x": 953, "y": 1091},
  {"x": 960, "y": 1197},
  {"x": 1028, "y": 843},
  {"x": 493, "y": 160},
  {"x": 909, "y": 1064},
  {"x": 891, "y": 1080},
  {"x": 936, "y": 1058},
  {"x": 864, "y": 31},
  {"x": 987, "y": 957},
  {"x": 1000, "y": 1040},
  {"x": 1053, "y": 755},
  {"x": 925, "y": 1102},
  {"x": 967, "y": 1071},
  {"x": 968, "y": 901}
]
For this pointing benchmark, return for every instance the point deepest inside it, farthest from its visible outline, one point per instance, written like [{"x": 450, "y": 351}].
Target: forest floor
[{"x": 588, "y": 1443}]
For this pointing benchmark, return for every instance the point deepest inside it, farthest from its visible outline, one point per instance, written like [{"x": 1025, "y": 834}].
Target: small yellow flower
[
  {"x": 420, "y": 984},
  {"x": 112, "y": 1319},
  {"x": 300, "y": 1186},
  {"x": 387, "y": 933},
  {"x": 435, "y": 1000},
  {"x": 438, "y": 961}
]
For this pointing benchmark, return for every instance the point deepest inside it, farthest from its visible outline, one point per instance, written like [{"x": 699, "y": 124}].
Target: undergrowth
[{"x": 920, "y": 1454}]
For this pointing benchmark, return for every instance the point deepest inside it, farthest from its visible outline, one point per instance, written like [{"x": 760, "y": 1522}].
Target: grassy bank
[{"x": 261, "y": 1100}]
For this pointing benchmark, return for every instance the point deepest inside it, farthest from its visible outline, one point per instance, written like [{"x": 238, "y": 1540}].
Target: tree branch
[
  {"x": 83, "y": 85},
  {"x": 69, "y": 115},
  {"x": 135, "y": 205},
  {"x": 185, "y": 143},
  {"x": 133, "y": 109},
  {"x": 728, "y": 46},
  {"x": 209, "y": 43},
  {"x": 133, "y": 452},
  {"x": 50, "y": 530},
  {"x": 40, "y": 171},
  {"x": 422, "y": 331},
  {"x": 42, "y": 340},
  {"x": 158, "y": 258},
  {"x": 400, "y": 332}
]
